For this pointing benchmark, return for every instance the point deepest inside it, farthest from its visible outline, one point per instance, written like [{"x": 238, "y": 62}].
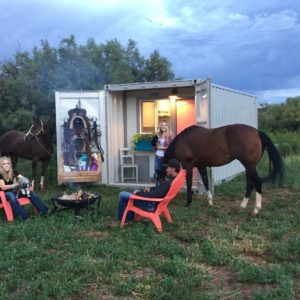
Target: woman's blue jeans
[
  {"x": 17, "y": 208},
  {"x": 123, "y": 200},
  {"x": 158, "y": 166}
]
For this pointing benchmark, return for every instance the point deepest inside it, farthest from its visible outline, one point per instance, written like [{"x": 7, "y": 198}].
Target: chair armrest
[
  {"x": 2, "y": 194},
  {"x": 136, "y": 197}
]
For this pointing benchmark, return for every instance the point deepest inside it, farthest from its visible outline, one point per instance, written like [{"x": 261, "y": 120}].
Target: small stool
[{"x": 127, "y": 162}]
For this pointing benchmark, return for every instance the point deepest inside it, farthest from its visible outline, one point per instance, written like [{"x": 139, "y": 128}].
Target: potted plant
[{"x": 142, "y": 141}]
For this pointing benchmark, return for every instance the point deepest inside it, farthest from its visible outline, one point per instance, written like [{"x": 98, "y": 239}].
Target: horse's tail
[{"x": 276, "y": 170}]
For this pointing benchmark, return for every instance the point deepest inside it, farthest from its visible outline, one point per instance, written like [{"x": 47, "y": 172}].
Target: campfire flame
[{"x": 80, "y": 195}]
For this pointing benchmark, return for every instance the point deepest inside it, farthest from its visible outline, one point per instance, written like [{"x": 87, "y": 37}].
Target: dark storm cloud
[{"x": 240, "y": 44}]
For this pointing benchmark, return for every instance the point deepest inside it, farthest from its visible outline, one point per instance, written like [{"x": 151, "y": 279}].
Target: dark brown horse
[
  {"x": 201, "y": 147},
  {"x": 35, "y": 145}
]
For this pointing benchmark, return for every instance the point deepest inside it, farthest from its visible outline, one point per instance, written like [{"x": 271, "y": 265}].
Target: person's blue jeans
[
  {"x": 17, "y": 208},
  {"x": 123, "y": 200},
  {"x": 158, "y": 169}
]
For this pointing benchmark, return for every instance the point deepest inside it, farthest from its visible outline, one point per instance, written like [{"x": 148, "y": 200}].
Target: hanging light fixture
[{"x": 174, "y": 94}]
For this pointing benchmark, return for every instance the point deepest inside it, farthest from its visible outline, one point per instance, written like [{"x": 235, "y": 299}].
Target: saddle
[{"x": 81, "y": 139}]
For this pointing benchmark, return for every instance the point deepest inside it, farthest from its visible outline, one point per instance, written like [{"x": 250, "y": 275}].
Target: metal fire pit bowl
[{"x": 87, "y": 200}]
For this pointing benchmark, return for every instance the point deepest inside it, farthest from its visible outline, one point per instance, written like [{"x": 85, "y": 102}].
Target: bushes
[{"x": 288, "y": 143}]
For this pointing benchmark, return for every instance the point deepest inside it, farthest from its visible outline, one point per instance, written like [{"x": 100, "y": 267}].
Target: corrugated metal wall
[{"x": 230, "y": 107}]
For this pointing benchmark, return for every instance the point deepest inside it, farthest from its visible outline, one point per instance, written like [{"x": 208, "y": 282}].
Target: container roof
[{"x": 151, "y": 85}]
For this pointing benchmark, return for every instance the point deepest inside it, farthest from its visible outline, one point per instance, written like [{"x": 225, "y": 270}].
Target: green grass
[{"x": 217, "y": 252}]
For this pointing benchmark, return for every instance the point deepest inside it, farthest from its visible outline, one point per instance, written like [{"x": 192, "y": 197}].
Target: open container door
[
  {"x": 202, "y": 108},
  {"x": 79, "y": 151}
]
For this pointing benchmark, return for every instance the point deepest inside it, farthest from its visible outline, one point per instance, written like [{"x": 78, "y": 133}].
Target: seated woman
[{"x": 8, "y": 184}]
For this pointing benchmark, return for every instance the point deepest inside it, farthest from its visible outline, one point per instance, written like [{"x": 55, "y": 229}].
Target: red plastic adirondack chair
[
  {"x": 7, "y": 208},
  {"x": 162, "y": 206}
]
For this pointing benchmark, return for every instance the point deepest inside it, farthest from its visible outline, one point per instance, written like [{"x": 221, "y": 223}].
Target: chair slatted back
[{"x": 176, "y": 185}]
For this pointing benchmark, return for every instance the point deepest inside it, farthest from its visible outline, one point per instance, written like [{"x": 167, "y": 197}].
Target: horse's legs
[
  {"x": 204, "y": 176},
  {"x": 249, "y": 189},
  {"x": 258, "y": 188},
  {"x": 189, "y": 179},
  {"x": 45, "y": 164},
  {"x": 33, "y": 171},
  {"x": 253, "y": 181},
  {"x": 14, "y": 160}
]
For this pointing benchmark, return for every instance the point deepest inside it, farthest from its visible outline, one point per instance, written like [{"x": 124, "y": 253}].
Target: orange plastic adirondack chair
[
  {"x": 162, "y": 206},
  {"x": 7, "y": 208}
]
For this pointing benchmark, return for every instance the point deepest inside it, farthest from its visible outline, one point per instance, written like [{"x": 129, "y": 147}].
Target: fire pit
[{"x": 76, "y": 201}]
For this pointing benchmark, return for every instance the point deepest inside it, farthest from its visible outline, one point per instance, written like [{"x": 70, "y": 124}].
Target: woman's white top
[{"x": 160, "y": 152}]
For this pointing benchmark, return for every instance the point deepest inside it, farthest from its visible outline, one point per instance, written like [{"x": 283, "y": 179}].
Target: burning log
[{"x": 79, "y": 196}]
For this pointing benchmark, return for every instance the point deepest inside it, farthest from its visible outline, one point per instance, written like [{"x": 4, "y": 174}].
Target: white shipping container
[{"x": 118, "y": 110}]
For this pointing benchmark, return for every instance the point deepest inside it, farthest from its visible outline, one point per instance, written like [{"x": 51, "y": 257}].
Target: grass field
[{"x": 207, "y": 252}]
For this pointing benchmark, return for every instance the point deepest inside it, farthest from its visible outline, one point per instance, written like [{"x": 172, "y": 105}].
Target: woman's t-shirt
[
  {"x": 9, "y": 181},
  {"x": 160, "y": 152}
]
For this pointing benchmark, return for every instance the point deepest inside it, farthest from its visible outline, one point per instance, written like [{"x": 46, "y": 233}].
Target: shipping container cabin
[{"x": 122, "y": 110}]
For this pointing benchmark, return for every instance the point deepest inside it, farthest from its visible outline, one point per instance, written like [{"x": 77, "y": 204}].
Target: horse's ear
[{"x": 34, "y": 119}]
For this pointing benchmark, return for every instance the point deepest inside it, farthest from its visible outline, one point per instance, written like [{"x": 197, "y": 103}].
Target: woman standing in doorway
[{"x": 164, "y": 138}]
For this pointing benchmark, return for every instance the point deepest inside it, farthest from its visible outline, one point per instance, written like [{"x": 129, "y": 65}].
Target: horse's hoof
[
  {"x": 254, "y": 213},
  {"x": 187, "y": 204}
]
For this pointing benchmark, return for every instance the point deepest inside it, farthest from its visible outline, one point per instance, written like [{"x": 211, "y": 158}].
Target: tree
[
  {"x": 29, "y": 80},
  {"x": 158, "y": 68},
  {"x": 281, "y": 117}
]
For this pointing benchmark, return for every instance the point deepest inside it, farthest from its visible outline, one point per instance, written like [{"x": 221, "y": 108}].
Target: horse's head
[
  {"x": 36, "y": 130},
  {"x": 40, "y": 132}
]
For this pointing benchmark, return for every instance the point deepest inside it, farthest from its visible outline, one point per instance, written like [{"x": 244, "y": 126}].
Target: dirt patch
[
  {"x": 51, "y": 250},
  {"x": 224, "y": 284},
  {"x": 138, "y": 273},
  {"x": 96, "y": 291},
  {"x": 185, "y": 238},
  {"x": 95, "y": 234},
  {"x": 103, "y": 292},
  {"x": 255, "y": 257},
  {"x": 18, "y": 292}
]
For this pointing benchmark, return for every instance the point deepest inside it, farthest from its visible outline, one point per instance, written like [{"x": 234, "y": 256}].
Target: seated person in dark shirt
[{"x": 173, "y": 168}]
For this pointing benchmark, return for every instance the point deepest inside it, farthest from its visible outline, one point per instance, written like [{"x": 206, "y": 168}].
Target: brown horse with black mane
[
  {"x": 201, "y": 147},
  {"x": 35, "y": 145}
]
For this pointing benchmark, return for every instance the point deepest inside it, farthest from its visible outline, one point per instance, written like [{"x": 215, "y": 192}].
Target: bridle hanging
[{"x": 37, "y": 135}]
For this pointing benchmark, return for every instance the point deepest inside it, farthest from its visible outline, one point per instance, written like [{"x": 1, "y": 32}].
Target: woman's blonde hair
[
  {"x": 10, "y": 173},
  {"x": 159, "y": 133}
]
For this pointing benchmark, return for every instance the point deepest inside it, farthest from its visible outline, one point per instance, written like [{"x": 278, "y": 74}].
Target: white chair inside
[{"x": 129, "y": 170}]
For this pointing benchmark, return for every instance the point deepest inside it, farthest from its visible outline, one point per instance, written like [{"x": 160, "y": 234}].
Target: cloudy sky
[{"x": 251, "y": 46}]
